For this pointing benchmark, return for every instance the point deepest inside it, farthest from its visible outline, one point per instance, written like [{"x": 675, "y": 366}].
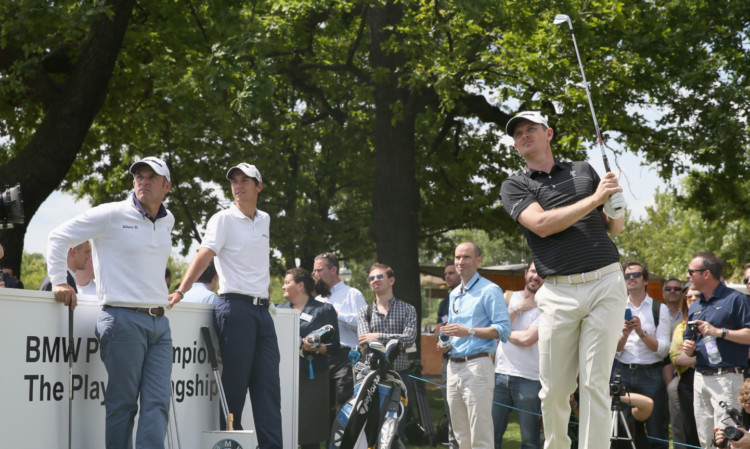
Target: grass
[{"x": 511, "y": 439}]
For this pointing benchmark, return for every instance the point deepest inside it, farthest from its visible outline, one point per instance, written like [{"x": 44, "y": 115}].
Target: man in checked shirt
[{"x": 389, "y": 318}]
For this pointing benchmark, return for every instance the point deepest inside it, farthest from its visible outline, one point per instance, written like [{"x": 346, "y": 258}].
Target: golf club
[
  {"x": 70, "y": 375},
  {"x": 562, "y": 18}
]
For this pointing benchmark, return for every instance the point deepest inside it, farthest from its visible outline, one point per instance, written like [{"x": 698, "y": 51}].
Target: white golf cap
[
  {"x": 159, "y": 166},
  {"x": 248, "y": 169},
  {"x": 532, "y": 116}
]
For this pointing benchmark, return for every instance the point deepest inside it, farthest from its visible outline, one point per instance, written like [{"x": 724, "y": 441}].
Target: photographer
[
  {"x": 638, "y": 410},
  {"x": 744, "y": 440}
]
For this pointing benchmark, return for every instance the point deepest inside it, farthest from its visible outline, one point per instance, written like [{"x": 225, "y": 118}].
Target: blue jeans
[
  {"x": 137, "y": 352},
  {"x": 648, "y": 382},
  {"x": 522, "y": 394}
]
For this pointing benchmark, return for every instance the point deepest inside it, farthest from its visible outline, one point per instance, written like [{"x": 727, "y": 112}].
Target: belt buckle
[{"x": 153, "y": 314}]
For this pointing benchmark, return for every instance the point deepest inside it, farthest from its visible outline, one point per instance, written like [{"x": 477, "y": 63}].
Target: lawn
[{"x": 511, "y": 439}]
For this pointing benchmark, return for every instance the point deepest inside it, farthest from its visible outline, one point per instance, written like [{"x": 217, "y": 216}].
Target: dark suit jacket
[
  {"x": 47, "y": 285},
  {"x": 320, "y": 314}
]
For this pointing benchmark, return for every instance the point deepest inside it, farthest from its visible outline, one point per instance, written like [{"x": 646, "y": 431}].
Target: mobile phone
[{"x": 628, "y": 314}]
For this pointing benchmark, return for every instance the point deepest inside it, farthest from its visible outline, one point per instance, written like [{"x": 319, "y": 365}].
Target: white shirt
[
  {"x": 200, "y": 293},
  {"x": 129, "y": 252},
  {"x": 514, "y": 360},
  {"x": 88, "y": 289},
  {"x": 242, "y": 247},
  {"x": 635, "y": 350},
  {"x": 347, "y": 301}
]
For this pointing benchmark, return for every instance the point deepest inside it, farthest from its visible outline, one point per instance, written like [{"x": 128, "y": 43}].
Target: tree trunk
[
  {"x": 42, "y": 164},
  {"x": 395, "y": 194}
]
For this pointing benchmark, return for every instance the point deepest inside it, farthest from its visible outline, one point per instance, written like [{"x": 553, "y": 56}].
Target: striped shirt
[
  {"x": 400, "y": 322},
  {"x": 584, "y": 246}
]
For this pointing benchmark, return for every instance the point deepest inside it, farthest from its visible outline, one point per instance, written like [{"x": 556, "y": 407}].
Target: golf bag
[{"x": 378, "y": 403}]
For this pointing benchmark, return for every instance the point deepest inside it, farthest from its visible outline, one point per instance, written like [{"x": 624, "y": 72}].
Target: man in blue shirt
[
  {"x": 724, "y": 314},
  {"x": 478, "y": 316}
]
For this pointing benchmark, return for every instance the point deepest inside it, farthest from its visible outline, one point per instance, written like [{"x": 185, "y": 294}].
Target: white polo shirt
[
  {"x": 129, "y": 252},
  {"x": 242, "y": 247}
]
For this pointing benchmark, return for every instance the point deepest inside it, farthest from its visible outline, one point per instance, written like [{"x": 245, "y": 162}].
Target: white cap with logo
[
  {"x": 532, "y": 116},
  {"x": 159, "y": 166},
  {"x": 248, "y": 169}
]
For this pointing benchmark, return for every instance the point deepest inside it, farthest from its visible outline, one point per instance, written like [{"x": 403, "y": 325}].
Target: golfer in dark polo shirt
[{"x": 565, "y": 211}]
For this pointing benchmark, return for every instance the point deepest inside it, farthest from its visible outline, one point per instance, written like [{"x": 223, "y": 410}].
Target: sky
[{"x": 639, "y": 190}]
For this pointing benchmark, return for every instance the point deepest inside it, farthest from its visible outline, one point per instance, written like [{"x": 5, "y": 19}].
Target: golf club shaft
[
  {"x": 215, "y": 367},
  {"x": 599, "y": 139},
  {"x": 70, "y": 375}
]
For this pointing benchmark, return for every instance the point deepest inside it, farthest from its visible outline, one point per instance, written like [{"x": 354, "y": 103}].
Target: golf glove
[{"x": 614, "y": 207}]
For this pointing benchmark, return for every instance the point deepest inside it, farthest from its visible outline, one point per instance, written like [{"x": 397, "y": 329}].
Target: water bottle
[
  {"x": 714, "y": 357},
  {"x": 445, "y": 340}
]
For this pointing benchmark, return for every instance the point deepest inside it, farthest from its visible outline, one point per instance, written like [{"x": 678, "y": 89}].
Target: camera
[
  {"x": 321, "y": 337},
  {"x": 11, "y": 207},
  {"x": 616, "y": 387},
  {"x": 693, "y": 328},
  {"x": 731, "y": 433}
]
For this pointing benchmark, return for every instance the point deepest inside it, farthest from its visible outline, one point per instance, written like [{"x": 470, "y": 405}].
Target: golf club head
[
  {"x": 392, "y": 350},
  {"x": 562, "y": 18}
]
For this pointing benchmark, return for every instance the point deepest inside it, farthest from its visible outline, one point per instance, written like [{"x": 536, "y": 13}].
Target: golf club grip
[
  {"x": 615, "y": 195},
  {"x": 210, "y": 347}
]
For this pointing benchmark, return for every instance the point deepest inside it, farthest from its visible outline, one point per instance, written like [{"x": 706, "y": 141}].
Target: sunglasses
[
  {"x": 672, "y": 289},
  {"x": 694, "y": 296},
  {"x": 636, "y": 275},
  {"x": 745, "y": 280},
  {"x": 692, "y": 272},
  {"x": 377, "y": 276}
]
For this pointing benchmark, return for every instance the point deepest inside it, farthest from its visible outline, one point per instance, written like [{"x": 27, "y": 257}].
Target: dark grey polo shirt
[{"x": 583, "y": 247}]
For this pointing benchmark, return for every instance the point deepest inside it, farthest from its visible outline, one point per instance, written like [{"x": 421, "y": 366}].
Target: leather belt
[
  {"x": 640, "y": 366},
  {"x": 721, "y": 370},
  {"x": 582, "y": 278},
  {"x": 254, "y": 300},
  {"x": 154, "y": 311},
  {"x": 468, "y": 357}
]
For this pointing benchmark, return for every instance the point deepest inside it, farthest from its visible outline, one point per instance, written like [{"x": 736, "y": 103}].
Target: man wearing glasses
[
  {"x": 389, "y": 318},
  {"x": 347, "y": 301},
  {"x": 478, "y": 317},
  {"x": 671, "y": 291},
  {"x": 724, "y": 314},
  {"x": 641, "y": 349}
]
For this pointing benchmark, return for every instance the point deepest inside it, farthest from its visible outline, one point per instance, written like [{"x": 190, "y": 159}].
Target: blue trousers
[
  {"x": 648, "y": 382},
  {"x": 522, "y": 394},
  {"x": 137, "y": 352},
  {"x": 250, "y": 357}
]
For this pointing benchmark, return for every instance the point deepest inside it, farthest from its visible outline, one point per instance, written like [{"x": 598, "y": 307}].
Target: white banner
[{"x": 35, "y": 374}]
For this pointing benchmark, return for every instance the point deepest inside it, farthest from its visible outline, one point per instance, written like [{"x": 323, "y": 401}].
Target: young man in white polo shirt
[
  {"x": 239, "y": 239},
  {"x": 131, "y": 242}
]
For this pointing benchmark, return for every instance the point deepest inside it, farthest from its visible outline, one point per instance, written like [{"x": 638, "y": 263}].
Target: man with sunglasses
[
  {"x": 672, "y": 292},
  {"x": 722, "y": 313},
  {"x": 389, "y": 318},
  {"x": 641, "y": 349},
  {"x": 478, "y": 317}
]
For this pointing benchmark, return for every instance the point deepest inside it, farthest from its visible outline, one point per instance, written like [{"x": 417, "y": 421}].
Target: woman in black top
[{"x": 299, "y": 287}]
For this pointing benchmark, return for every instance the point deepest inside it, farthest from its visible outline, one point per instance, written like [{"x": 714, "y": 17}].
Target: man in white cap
[
  {"x": 565, "y": 211},
  {"x": 131, "y": 242},
  {"x": 239, "y": 239}
]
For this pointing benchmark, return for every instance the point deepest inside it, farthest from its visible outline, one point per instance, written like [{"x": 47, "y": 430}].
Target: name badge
[{"x": 305, "y": 317}]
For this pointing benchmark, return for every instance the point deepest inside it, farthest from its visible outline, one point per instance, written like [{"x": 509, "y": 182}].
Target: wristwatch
[
  {"x": 724, "y": 331},
  {"x": 471, "y": 332},
  {"x": 514, "y": 308},
  {"x": 643, "y": 335}
]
